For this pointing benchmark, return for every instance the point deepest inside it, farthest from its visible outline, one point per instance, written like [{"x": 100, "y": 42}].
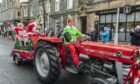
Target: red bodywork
[
  {"x": 107, "y": 51},
  {"x": 24, "y": 54},
  {"x": 29, "y": 55},
  {"x": 92, "y": 49}
]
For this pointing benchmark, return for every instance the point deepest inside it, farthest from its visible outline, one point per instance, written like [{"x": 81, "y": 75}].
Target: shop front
[{"x": 128, "y": 20}]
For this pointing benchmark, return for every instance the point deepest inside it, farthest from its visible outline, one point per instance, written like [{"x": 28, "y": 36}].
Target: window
[
  {"x": 102, "y": 19},
  {"x": 122, "y": 17},
  {"x": 25, "y": 12},
  {"x": 137, "y": 16},
  {"x": 31, "y": 11},
  {"x": 108, "y": 18},
  {"x": 69, "y": 4},
  {"x": 130, "y": 17},
  {"x": 57, "y": 5},
  {"x": 48, "y": 7}
]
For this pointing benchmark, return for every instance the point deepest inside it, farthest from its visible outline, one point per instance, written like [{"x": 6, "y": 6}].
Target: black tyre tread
[
  {"x": 99, "y": 81},
  {"x": 55, "y": 62}
]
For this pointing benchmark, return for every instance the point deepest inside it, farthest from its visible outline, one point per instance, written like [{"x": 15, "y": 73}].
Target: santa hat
[{"x": 70, "y": 19}]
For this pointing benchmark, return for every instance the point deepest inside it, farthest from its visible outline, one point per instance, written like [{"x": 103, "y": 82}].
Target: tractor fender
[{"x": 51, "y": 39}]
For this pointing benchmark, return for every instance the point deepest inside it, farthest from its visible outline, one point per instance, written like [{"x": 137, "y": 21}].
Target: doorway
[{"x": 84, "y": 24}]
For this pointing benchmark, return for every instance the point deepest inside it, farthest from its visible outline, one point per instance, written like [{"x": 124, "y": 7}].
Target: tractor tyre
[
  {"x": 17, "y": 59},
  {"x": 99, "y": 81},
  {"x": 47, "y": 62}
]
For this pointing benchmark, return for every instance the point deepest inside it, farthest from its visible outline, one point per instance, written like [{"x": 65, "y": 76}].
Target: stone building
[
  {"x": 36, "y": 13},
  {"x": 97, "y": 14},
  {"x": 104, "y": 12},
  {"x": 24, "y": 11},
  {"x": 0, "y": 13},
  {"x": 60, "y": 10},
  {"x": 92, "y": 14},
  {"x": 10, "y": 10}
]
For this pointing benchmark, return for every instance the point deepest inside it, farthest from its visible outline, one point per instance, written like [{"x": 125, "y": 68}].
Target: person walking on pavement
[
  {"x": 11, "y": 33},
  {"x": 135, "y": 36}
]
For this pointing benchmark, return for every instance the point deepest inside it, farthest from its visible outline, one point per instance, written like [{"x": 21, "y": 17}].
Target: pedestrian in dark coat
[
  {"x": 94, "y": 34},
  {"x": 135, "y": 36}
]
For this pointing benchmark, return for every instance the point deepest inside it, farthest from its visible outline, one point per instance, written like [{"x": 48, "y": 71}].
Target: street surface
[{"x": 25, "y": 73}]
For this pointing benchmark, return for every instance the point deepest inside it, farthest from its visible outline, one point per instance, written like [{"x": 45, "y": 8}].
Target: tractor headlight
[{"x": 119, "y": 54}]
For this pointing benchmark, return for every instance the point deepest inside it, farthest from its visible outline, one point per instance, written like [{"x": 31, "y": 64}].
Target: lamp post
[{"x": 119, "y": 65}]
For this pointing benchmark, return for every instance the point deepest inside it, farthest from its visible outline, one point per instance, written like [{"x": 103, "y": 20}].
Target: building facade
[
  {"x": 10, "y": 10},
  {"x": 36, "y": 13},
  {"x": 60, "y": 9},
  {"x": 97, "y": 14},
  {"x": 104, "y": 12}
]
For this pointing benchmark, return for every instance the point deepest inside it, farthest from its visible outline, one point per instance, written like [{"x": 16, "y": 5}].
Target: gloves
[{"x": 86, "y": 37}]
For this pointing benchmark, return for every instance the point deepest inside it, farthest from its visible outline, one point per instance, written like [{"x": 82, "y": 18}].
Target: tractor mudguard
[{"x": 51, "y": 39}]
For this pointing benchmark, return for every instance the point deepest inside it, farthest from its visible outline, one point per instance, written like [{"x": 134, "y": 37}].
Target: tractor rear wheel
[{"x": 47, "y": 62}]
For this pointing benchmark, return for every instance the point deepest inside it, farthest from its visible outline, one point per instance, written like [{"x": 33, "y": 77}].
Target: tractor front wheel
[{"x": 47, "y": 62}]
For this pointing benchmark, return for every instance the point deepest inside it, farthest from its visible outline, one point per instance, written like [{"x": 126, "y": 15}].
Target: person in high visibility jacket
[{"x": 72, "y": 30}]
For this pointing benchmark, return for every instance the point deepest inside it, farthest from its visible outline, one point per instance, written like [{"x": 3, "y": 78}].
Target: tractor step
[{"x": 72, "y": 70}]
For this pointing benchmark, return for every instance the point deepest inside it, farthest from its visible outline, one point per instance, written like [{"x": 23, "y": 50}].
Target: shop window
[
  {"x": 122, "y": 17},
  {"x": 114, "y": 17},
  {"x": 102, "y": 19},
  {"x": 121, "y": 32},
  {"x": 130, "y": 27},
  {"x": 130, "y": 17},
  {"x": 113, "y": 30},
  {"x": 137, "y": 16},
  {"x": 108, "y": 18}
]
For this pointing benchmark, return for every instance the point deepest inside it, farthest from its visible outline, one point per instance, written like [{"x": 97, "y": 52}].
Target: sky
[{"x": 0, "y": 1}]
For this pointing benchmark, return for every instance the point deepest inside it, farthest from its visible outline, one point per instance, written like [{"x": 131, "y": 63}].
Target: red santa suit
[
  {"x": 21, "y": 33},
  {"x": 31, "y": 27}
]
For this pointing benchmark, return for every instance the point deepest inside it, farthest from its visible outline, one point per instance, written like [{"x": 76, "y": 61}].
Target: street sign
[{"x": 127, "y": 9}]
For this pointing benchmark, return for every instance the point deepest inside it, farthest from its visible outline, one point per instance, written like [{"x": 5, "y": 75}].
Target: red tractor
[{"x": 105, "y": 63}]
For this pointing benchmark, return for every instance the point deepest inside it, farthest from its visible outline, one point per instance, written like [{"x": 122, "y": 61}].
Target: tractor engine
[{"x": 101, "y": 68}]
